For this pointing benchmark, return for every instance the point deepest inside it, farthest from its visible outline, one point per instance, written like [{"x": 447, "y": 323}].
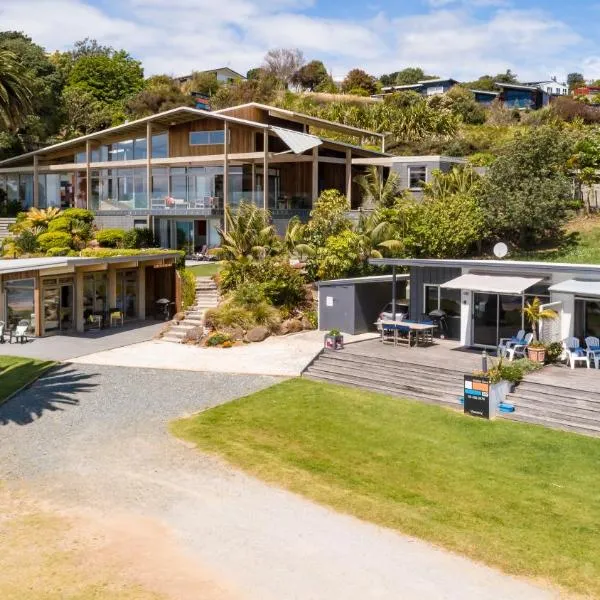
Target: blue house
[{"x": 426, "y": 87}]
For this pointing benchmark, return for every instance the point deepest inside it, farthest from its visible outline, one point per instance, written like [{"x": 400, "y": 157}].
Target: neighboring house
[
  {"x": 426, "y": 87},
  {"x": 485, "y": 97},
  {"x": 589, "y": 91},
  {"x": 223, "y": 75},
  {"x": 66, "y": 294},
  {"x": 552, "y": 87},
  {"x": 176, "y": 171},
  {"x": 531, "y": 96},
  {"x": 414, "y": 171},
  {"x": 484, "y": 298}
]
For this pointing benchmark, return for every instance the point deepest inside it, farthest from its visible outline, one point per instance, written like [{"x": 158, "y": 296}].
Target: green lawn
[
  {"x": 15, "y": 372},
  {"x": 522, "y": 498},
  {"x": 210, "y": 268}
]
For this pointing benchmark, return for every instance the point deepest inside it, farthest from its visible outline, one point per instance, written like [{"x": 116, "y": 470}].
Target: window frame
[
  {"x": 220, "y": 133},
  {"x": 409, "y": 173}
]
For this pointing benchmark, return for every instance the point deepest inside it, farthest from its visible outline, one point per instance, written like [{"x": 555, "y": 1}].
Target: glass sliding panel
[
  {"x": 485, "y": 319},
  {"x": 12, "y": 188},
  {"x": 179, "y": 184},
  {"x": 130, "y": 295},
  {"x": 66, "y": 307},
  {"x": 592, "y": 318},
  {"x": 19, "y": 300},
  {"x": 53, "y": 191},
  {"x": 160, "y": 147},
  {"x": 510, "y": 317},
  {"x": 431, "y": 298},
  {"x": 140, "y": 149},
  {"x": 185, "y": 236},
  {"x": 51, "y": 306}
]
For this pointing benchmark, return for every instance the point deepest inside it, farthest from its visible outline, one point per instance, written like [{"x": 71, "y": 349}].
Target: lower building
[
  {"x": 483, "y": 299},
  {"x": 73, "y": 294}
]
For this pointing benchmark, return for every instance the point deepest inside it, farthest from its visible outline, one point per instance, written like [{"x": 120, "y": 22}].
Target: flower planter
[
  {"x": 537, "y": 355},
  {"x": 498, "y": 393},
  {"x": 333, "y": 342}
]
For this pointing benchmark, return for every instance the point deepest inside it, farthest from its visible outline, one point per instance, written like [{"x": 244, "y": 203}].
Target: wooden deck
[{"x": 580, "y": 378}]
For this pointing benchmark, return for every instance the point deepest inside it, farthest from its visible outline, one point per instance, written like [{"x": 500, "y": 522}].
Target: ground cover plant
[
  {"x": 205, "y": 270},
  {"x": 519, "y": 497},
  {"x": 16, "y": 372}
]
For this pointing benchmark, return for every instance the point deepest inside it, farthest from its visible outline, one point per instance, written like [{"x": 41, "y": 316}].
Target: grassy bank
[
  {"x": 16, "y": 372},
  {"x": 519, "y": 497},
  {"x": 206, "y": 270}
]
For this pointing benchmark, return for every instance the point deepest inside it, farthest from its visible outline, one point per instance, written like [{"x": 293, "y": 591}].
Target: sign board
[
  {"x": 477, "y": 396},
  {"x": 328, "y": 300}
]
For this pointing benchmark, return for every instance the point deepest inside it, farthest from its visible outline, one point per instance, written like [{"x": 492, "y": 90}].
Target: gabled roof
[
  {"x": 297, "y": 117},
  {"x": 516, "y": 86},
  {"x": 488, "y": 92}
]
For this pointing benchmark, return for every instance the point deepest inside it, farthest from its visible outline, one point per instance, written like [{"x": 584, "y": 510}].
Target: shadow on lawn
[{"x": 55, "y": 391}]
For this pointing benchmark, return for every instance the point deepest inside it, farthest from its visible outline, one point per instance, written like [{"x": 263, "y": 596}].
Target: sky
[{"x": 462, "y": 39}]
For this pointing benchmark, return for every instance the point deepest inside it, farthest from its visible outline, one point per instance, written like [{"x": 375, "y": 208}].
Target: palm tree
[
  {"x": 375, "y": 191},
  {"x": 533, "y": 312},
  {"x": 15, "y": 91},
  {"x": 377, "y": 235},
  {"x": 40, "y": 217},
  {"x": 248, "y": 233},
  {"x": 460, "y": 180},
  {"x": 294, "y": 239}
]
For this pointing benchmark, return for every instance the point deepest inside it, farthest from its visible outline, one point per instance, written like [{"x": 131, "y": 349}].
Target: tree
[
  {"x": 575, "y": 80},
  {"x": 261, "y": 90},
  {"x": 534, "y": 314},
  {"x": 526, "y": 191},
  {"x": 255, "y": 73},
  {"x": 359, "y": 80},
  {"x": 585, "y": 161},
  {"x": 328, "y": 217},
  {"x": 160, "y": 93},
  {"x": 15, "y": 92},
  {"x": 203, "y": 83},
  {"x": 488, "y": 82},
  {"x": 377, "y": 192},
  {"x": 83, "y": 113},
  {"x": 282, "y": 63},
  {"x": 311, "y": 76},
  {"x": 342, "y": 255},
  {"x": 411, "y": 75},
  {"x": 294, "y": 237},
  {"x": 461, "y": 102}
]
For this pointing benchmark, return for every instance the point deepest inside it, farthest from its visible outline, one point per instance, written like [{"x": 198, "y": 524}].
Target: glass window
[
  {"x": 52, "y": 190},
  {"x": 178, "y": 183},
  {"x": 80, "y": 157},
  {"x": 417, "y": 177},
  {"x": 26, "y": 190},
  {"x": 94, "y": 294},
  {"x": 140, "y": 149},
  {"x": 587, "y": 318},
  {"x": 438, "y": 298},
  {"x": 12, "y": 188},
  {"x": 207, "y": 138},
  {"x": 19, "y": 300},
  {"x": 160, "y": 183},
  {"x": 125, "y": 150},
  {"x": 431, "y": 298},
  {"x": 160, "y": 148}
]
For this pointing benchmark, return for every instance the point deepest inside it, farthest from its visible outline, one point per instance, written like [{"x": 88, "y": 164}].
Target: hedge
[
  {"x": 81, "y": 214},
  {"x": 110, "y": 238},
  {"x": 54, "y": 239}
]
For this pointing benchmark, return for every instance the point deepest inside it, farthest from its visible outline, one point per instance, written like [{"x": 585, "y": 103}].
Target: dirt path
[{"x": 101, "y": 455}]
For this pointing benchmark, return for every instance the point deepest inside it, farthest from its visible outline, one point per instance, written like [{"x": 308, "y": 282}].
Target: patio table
[{"x": 423, "y": 329}]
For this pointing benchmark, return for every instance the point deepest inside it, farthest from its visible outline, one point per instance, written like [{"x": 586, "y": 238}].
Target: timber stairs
[
  {"x": 207, "y": 296},
  {"x": 5, "y": 223},
  {"x": 427, "y": 383},
  {"x": 555, "y": 397}
]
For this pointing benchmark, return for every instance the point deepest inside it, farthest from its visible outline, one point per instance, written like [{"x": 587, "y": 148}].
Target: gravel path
[{"x": 95, "y": 436}]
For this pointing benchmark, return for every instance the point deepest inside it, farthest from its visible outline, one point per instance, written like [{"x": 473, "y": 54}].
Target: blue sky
[{"x": 458, "y": 38}]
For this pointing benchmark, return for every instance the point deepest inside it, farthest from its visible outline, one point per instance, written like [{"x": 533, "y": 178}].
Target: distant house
[
  {"x": 485, "y": 97},
  {"x": 588, "y": 91},
  {"x": 426, "y": 87},
  {"x": 533, "y": 95},
  {"x": 551, "y": 87},
  {"x": 223, "y": 75}
]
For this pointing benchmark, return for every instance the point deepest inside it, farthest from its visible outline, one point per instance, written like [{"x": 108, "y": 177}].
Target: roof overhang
[
  {"x": 495, "y": 284},
  {"x": 297, "y": 142},
  {"x": 578, "y": 287}
]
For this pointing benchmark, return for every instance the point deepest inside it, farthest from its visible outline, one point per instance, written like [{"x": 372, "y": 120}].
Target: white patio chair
[
  {"x": 2, "y": 330},
  {"x": 574, "y": 352},
  {"x": 593, "y": 349},
  {"x": 506, "y": 343},
  {"x": 518, "y": 350},
  {"x": 20, "y": 332}
]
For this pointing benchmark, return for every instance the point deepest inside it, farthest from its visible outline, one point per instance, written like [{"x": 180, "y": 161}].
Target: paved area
[
  {"x": 71, "y": 345},
  {"x": 96, "y": 437},
  {"x": 285, "y": 356}
]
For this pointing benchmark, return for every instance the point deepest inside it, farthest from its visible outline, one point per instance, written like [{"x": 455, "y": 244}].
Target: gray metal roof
[
  {"x": 15, "y": 265},
  {"x": 367, "y": 279},
  {"x": 510, "y": 266}
]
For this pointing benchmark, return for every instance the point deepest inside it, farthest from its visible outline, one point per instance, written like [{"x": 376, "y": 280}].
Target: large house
[
  {"x": 533, "y": 95},
  {"x": 176, "y": 171}
]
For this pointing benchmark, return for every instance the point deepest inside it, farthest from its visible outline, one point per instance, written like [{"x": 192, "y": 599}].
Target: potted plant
[
  {"x": 533, "y": 312},
  {"x": 334, "y": 340}
]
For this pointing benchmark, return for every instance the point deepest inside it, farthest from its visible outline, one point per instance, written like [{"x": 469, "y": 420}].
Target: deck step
[
  {"x": 553, "y": 423},
  {"x": 169, "y": 337}
]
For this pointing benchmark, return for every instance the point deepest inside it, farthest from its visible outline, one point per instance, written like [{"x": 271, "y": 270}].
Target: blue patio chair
[{"x": 593, "y": 349}]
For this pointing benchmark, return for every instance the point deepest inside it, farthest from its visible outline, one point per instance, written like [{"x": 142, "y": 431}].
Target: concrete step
[
  {"x": 563, "y": 424},
  {"x": 194, "y": 314},
  {"x": 393, "y": 391},
  {"x": 169, "y": 337},
  {"x": 191, "y": 321},
  {"x": 182, "y": 328}
]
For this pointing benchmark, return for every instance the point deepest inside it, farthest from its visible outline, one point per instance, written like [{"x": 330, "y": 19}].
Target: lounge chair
[
  {"x": 593, "y": 349},
  {"x": 574, "y": 352},
  {"x": 518, "y": 350},
  {"x": 20, "y": 332},
  {"x": 506, "y": 343}
]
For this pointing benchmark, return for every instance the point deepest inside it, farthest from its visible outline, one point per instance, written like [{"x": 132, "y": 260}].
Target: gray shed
[{"x": 353, "y": 305}]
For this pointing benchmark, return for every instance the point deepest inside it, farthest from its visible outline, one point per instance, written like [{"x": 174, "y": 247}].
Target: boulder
[
  {"x": 234, "y": 332},
  {"x": 290, "y": 326},
  {"x": 257, "y": 334}
]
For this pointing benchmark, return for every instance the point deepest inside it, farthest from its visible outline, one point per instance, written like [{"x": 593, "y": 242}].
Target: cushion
[{"x": 577, "y": 351}]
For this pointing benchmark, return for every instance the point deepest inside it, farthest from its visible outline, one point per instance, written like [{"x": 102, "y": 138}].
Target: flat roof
[
  {"x": 513, "y": 266},
  {"x": 366, "y": 279},
  {"x": 390, "y": 160},
  {"x": 487, "y": 92},
  {"x": 15, "y": 265}
]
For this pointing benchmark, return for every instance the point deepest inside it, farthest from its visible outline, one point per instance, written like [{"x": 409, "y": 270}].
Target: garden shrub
[
  {"x": 81, "y": 214},
  {"x": 108, "y": 252},
  {"x": 188, "y": 288},
  {"x": 266, "y": 315},
  {"x": 218, "y": 338},
  {"x": 110, "y": 238},
  {"x": 312, "y": 317},
  {"x": 61, "y": 223},
  {"x": 139, "y": 238},
  {"x": 553, "y": 352},
  {"x": 59, "y": 251},
  {"x": 54, "y": 239},
  {"x": 229, "y": 314}
]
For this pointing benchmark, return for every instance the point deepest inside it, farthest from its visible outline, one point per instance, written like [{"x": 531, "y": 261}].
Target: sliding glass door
[{"x": 495, "y": 316}]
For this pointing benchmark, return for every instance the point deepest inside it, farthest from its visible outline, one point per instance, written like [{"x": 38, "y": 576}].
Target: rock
[
  {"x": 235, "y": 333},
  {"x": 290, "y": 326},
  {"x": 257, "y": 334},
  {"x": 178, "y": 316},
  {"x": 306, "y": 324}
]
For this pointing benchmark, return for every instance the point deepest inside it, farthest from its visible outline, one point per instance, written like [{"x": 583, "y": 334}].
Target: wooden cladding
[{"x": 241, "y": 139}]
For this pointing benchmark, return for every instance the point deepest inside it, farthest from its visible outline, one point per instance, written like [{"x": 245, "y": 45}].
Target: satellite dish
[{"x": 500, "y": 250}]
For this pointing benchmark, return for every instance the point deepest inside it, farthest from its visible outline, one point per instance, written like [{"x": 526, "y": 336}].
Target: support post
[
  {"x": 149, "y": 164},
  {"x": 141, "y": 292},
  {"x": 349, "y": 176},
  {"x": 88, "y": 174},
  {"x": 78, "y": 297},
  {"x": 266, "y": 169},
  {"x": 36, "y": 181},
  {"x": 112, "y": 287},
  {"x": 225, "y": 174},
  {"x": 383, "y": 142},
  {"x": 253, "y": 188},
  {"x": 315, "y": 174},
  {"x": 393, "y": 293}
]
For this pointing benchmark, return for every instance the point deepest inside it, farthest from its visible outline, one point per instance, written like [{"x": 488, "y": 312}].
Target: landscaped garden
[
  {"x": 518, "y": 497},
  {"x": 16, "y": 372}
]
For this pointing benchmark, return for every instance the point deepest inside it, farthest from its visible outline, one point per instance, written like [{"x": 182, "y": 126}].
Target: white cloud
[{"x": 451, "y": 38}]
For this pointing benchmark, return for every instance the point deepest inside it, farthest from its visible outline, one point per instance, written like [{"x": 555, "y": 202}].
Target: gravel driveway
[{"x": 95, "y": 436}]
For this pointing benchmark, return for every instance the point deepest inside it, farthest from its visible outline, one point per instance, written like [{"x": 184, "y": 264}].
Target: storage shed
[{"x": 353, "y": 305}]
